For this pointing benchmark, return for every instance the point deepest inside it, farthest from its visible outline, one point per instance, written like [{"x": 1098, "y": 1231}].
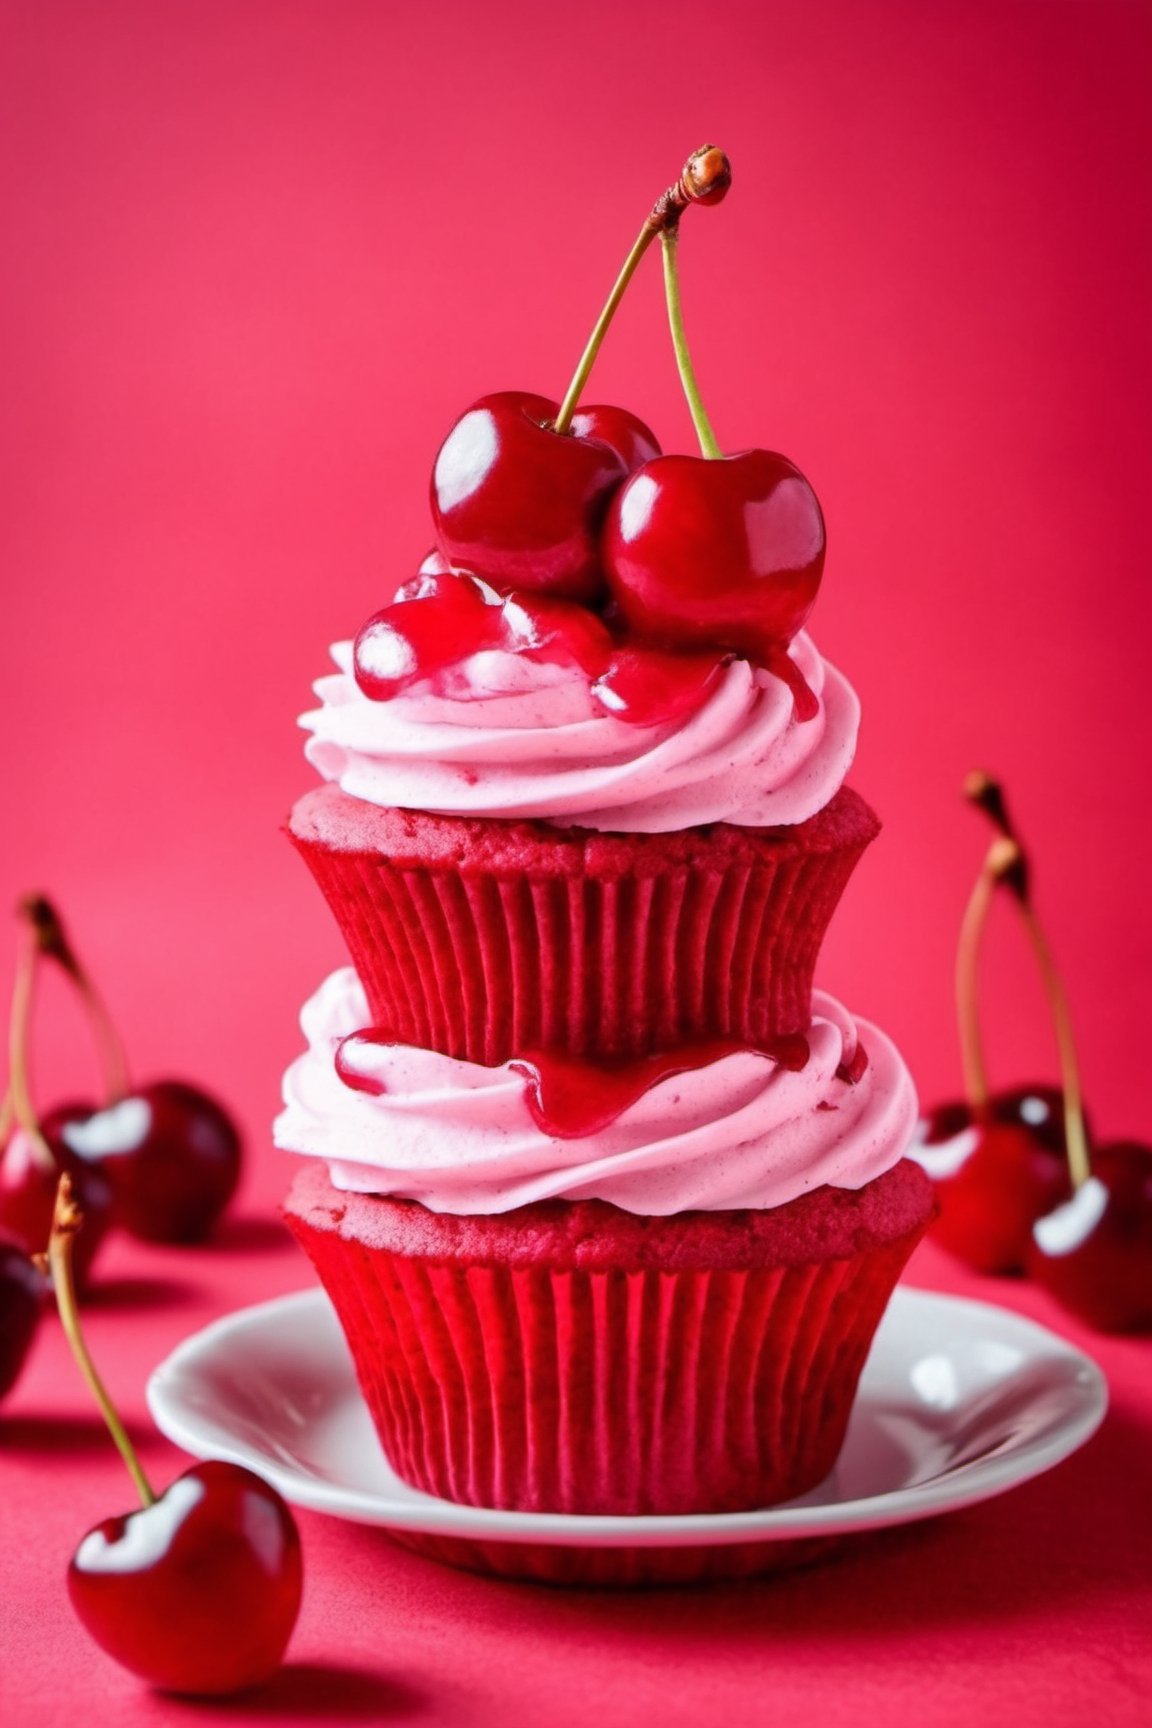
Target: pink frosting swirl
[
  {"x": 520, "y": 739},
  {"x": 460, "y": 1138}
]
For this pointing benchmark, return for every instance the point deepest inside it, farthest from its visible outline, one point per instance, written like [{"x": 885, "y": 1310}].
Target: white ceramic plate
[{"x": 959, "y": 1401}]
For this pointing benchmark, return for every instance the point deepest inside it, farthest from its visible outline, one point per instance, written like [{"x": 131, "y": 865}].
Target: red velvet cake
[
  {"x": 572, "y": 1357},
  {"x": 482, "y": 938},
  {"x": 608, "y": 1200}
]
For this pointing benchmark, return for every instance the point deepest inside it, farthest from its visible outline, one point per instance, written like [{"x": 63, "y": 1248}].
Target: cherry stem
[
  {"x": 708, "y": 445},
  {"x": 985, "y": 792},
  {"x": 988, "y": 795},
  {"x": 52, "y": 941},
  {"x": 1075, "y": 1133},
  {"x": 67, "y": 1220},
  {"x": 18, "y": 1104},
  {"x": 967, "y": 980},
  {"x": 705, "y": 179}
]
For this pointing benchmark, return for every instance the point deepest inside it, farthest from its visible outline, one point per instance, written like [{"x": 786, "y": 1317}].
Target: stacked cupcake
[{"x": 608, "y": 1201}]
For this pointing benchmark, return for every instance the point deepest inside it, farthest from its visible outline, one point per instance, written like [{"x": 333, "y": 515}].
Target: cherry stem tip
[
  {"x": 704, "y": 179},
  {"x": 47, "y": 927}
]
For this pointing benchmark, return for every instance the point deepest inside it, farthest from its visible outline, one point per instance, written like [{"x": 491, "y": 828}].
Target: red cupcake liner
[
  {"x": 483, "y": 938},
  {"x": 601, "y": 1388}
]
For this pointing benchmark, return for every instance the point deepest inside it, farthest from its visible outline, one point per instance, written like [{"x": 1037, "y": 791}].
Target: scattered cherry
[
  {"x": 22, "y": 1290},
  {"x": 1094, "y": 1252},
  {"x": 197, "y": 1591},
  {"x": 996, "y": 1160},
  {"x": 170, "y": 1153},
  {"x": 1090, "y": 1247},
  {"x": 164, "y": 1159},
  {"x": 28, "y": 1181},
  {"x": 992, "y": 1181}
]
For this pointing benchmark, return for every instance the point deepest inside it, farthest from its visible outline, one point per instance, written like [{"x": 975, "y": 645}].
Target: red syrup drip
[
  {"x": 441, "y": 617},
  {"x": 855, "y": 1068},
  {"x": 570, "y": 1097},
  {"x": 805, "y": 702},
  {"x": 345, "y": 1055}
]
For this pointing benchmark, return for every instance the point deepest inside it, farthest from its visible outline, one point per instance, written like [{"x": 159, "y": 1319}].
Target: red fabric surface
[{"x": 258, "y": 257}]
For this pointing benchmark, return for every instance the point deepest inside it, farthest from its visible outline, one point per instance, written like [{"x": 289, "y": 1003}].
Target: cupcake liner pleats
[
  {"x": 484, "y": 944},
  {"x": 626, "y": 1390}
]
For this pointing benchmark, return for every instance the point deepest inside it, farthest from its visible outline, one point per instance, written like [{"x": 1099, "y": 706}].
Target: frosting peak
[{"x": 516, "y": 738}]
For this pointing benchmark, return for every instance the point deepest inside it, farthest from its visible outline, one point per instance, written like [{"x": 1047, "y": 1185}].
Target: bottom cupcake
[
  {"x": 660, "y": 1305},
  {"x": 571, "y": 1357}
]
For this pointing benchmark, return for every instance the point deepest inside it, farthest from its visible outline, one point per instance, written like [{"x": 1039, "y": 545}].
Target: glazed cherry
[
  {"x": 440, "y": 619},
  {"x": 199, "y": 1591},
  {"x": 170, "y": 1153},
  {"x": 522, "y": 505},
  {"x": 993, "y": 1179},
  {"x": 22, "y": 1289},
  {"x": 435, "y": 622},
  {"x": 727, "y": 552},
  {"x": 1094, "y": 1253},
  {"x": 28, "y": 1183}
]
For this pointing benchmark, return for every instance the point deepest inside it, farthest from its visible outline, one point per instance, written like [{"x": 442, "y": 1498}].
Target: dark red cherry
[
  {"x": 1094, "y": 1253},
  {"x": 727, "y": 553},
  {"x": 28, "y": 1195},
  {"x": 170, "y": 1152},
  {"x": 620, "y": 430},
  {"x": 993, "y": 1180},
  {"x": 1036, "y": 1107},
  {"x": 22, "y": 1290},
  {"x": 199, "y": 1591},
  {"x": 521, "y": 505}
]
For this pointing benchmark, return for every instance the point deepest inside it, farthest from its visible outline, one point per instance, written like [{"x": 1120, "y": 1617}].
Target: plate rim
[{"x": 970, "y": 1483}]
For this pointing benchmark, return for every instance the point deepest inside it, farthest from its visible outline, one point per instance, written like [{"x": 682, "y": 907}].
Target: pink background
[{"x": 259, "y": 256}]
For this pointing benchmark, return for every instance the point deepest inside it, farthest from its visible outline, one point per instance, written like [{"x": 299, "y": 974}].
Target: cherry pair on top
[{"x": 575, "y": 515}]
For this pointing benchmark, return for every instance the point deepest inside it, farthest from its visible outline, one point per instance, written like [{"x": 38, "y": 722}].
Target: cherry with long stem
[
  {"x": 1091, "y": 1251},
  {"x": 166, "y": 1155},
  {"x": 521, "y": 484},
  {"x": 993, "y": 1175},
  {"x": 718, "y": 551},
  {"x": 198, "y": 1589}
]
